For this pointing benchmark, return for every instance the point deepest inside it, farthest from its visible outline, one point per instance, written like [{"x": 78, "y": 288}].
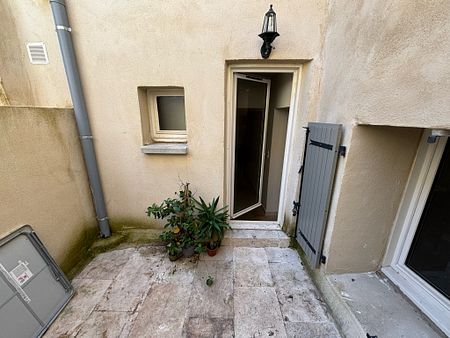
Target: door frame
[
  {"x": 233, "y": 143},
  {"x": 295, "y": 69},
  {"x": 435, "y": 305}
]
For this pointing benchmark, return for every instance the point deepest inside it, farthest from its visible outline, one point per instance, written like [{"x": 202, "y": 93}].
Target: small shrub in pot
[
  {"x": 182, "y": 234},
  {"x": 213, "y": 222}
]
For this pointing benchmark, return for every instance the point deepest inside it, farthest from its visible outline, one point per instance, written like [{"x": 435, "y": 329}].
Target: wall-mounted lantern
[{"x": 269, "y": 32}]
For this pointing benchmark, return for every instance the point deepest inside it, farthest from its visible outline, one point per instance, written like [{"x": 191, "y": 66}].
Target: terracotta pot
[{"x": 212, "y": 252}]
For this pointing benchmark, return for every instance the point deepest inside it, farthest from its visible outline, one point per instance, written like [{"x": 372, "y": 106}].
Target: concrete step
[
  {"x": 256, "y": 238},
  {"x": 377, "y": 306}
]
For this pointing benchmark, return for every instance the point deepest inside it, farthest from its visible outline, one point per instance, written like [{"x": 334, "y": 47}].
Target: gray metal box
[{"x": 33, "y": 289}]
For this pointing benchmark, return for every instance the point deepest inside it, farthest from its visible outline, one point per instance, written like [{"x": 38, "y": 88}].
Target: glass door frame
[
  {"x": 434, "y": 304},
  {"x": 293, "y": 144},
  {"x": 263, "y": 152}
]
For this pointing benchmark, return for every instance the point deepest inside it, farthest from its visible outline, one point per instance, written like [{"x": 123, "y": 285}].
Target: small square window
[
  {"x": 171, "y": 112},
  {"x": 167, "y": 115}
]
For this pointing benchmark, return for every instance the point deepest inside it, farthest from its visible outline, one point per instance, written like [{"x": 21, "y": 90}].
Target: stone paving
[{"x": 138, "y": 292}]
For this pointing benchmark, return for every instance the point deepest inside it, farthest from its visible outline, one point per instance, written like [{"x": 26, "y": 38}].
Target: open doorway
[{"x": 261, "y": 112}]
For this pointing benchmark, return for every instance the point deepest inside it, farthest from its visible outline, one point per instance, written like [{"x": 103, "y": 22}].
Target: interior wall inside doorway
[{"x": 277, "y": 123}]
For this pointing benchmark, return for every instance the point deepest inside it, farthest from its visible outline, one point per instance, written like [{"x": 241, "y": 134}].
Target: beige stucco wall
[
  {"x": 378, "y": 62},
  {"x": 124, "y": 45},
  {"x": 43, "y": 181},
  {"x": 385, "y": 63},
  {"x": 26, "y": 84},
  {"x": 377, "y": 168}
]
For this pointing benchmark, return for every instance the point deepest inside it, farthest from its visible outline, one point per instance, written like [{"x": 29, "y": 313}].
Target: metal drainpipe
[{"x": 84, "y": 130}]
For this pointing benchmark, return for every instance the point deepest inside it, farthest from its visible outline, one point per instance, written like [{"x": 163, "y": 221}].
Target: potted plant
[
  {"x": 213, "y": 223},
  {"x": 173, "y": 246},
  {"x": 174, "y": 251},
  {"x": 182, "y": 230}
]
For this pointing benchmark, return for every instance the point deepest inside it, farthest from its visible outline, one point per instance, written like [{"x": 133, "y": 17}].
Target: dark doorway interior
[
  {"x": 258, "y": 192},
  {"x": 249, "y": 147}
]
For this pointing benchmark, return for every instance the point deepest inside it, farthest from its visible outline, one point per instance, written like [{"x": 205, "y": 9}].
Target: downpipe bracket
[{"x": 64, "y": 28}]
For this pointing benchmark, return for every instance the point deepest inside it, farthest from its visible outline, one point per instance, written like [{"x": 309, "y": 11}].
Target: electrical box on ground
[{"x": 33, "y": 289}]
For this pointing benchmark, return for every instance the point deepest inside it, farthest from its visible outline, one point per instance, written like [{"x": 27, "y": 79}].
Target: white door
[{"x": 251, "y": 106}]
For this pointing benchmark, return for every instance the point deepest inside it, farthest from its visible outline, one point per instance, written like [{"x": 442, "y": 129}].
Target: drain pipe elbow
[{"x": 63, "y": 31}]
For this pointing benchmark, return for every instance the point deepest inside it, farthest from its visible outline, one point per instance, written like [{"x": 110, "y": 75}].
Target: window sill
[{"x": 165, "y": 148}]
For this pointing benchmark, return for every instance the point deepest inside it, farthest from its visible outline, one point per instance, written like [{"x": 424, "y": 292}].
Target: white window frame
[
  {"x": 428, "y": 299},
  {"x": 158, "y": 135}
]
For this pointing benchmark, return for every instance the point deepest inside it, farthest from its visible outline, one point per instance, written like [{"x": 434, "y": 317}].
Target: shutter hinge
[
  {"x": 342, "y": 150},
  {"x": 295, "y": 208},
  {"x": 301, "y": 169},
  {"x": 323, "y": 259},
  {"x": 369, "y": 336},
  {"x": 321, "y": 144}
]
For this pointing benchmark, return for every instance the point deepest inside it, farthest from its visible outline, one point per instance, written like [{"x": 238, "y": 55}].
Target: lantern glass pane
[
  {"x": 265, "y": 24},
  {"x": 271, "y": 23}
]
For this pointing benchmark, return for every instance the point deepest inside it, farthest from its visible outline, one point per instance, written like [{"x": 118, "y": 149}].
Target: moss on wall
[
  {"x": 79, "y": 251},
  {"x": 43, "y": 181},
  {"x": 89, "y": 245},
  {"x": 123, "y": 224}
]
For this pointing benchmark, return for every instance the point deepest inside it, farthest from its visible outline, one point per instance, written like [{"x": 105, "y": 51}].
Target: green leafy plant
[
  {"x": 174, "y": 250},
  {"x": 213, "y": 221},
  {"x": 209, "y": 281},
  {"x": 182, "y": 227},
  {"x": 174, "y": 247},
  {"x": 200, "y": 247}
]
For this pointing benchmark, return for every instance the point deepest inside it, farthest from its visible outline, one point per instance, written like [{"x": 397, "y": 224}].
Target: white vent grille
[{"x": 37, "y": 53}]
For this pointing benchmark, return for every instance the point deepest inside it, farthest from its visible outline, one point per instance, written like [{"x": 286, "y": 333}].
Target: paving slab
[
  {"x": 301, "y": 305},
  {"x": 380, "y": 308},
  {"x": 152, "y": 251},
  {"x": 214, "y": 301},
  {"x": 181, "y": 271},
  {"x": 105, "y": 324},
  {"x": 208, "y": 328},
  {"x": 290, "y": 276},
  {"x": 256, "y": 313},
  {"x": 251, "y": 268},
  {"x": 225, "y": 253},
  {"x": 312, "y": 330},
  {"x": 106, "y": 265},
  {"x": 88, "y": 294},
  {"x": 130, "y": 286},
  {"x": 149, "y": 296},
  {"x": 256, "y": 238},
  {"x": 283, "y": 255},
  {"x": 163, "y": 312}
]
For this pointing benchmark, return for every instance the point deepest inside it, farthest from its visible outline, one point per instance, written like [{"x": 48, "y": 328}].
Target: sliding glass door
[{"x": 429, "y": 254}]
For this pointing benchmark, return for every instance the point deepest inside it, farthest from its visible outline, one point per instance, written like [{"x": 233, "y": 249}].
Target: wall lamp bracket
[
  {"x": 269, "y": 32},
  {"x": 266, "y": 47}
]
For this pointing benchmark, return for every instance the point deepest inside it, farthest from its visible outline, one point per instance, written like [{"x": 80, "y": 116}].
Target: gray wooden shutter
[{"x": 319, "y": 167}]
